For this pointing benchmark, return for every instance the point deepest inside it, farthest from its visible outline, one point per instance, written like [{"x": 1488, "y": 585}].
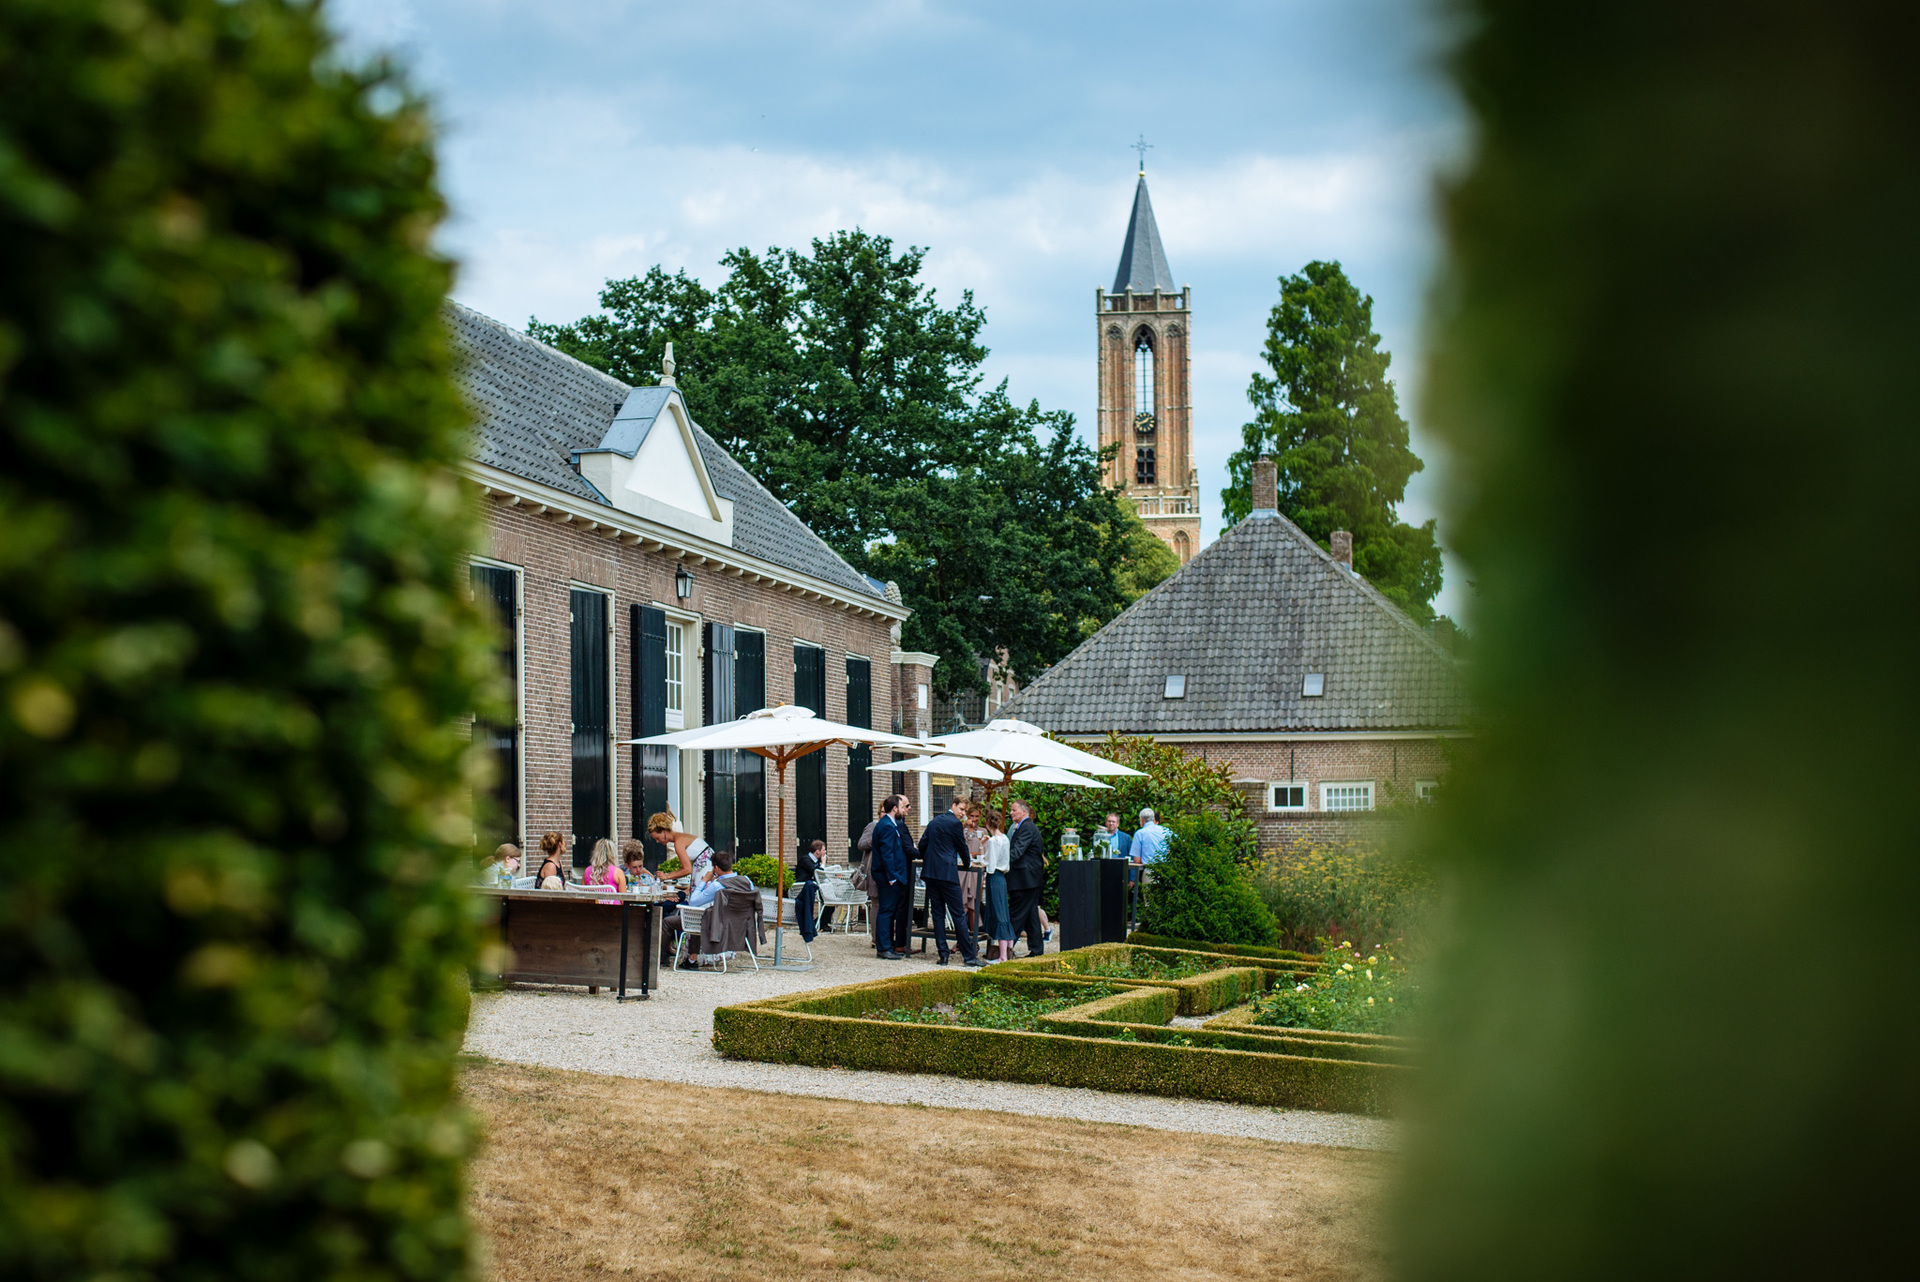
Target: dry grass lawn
[{"x": 585, "y": 1175}]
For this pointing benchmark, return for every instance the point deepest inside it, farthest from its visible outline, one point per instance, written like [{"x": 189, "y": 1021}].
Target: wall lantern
[{"x": 683, "y": 583}]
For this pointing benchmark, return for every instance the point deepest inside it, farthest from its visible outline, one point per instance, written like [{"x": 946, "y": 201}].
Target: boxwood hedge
[
  {"x": 1200, "y": 994},
  {"x": 825, "y": 1028},
  {"x": 1149, "y": 940},
  {"x": 235, "y": 652}
]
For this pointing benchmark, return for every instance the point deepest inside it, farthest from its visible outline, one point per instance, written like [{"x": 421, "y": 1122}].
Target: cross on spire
[{"x": 1143, "y": 147}]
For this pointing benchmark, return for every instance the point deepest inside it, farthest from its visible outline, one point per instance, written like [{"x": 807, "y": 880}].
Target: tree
[
  {"x": 837, "y": 378},
  {"x": 1145, "y": 561},
  {"x": 1330, "y": 420},
  {"x": 236, "y": 656}
]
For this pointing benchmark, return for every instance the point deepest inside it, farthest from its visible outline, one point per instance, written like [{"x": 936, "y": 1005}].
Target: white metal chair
[
  {"x": 838, "y": 892},
  {"x": 523, "y": 883},
  {"x": 690, "y": 925}
]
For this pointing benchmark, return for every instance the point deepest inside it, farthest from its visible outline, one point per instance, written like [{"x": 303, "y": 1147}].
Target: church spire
[{"x": 1143, "y": 261}]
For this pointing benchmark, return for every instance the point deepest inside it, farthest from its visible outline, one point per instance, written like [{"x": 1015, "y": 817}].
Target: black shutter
[
  {"x": 498, "y": 819},
  {"x": 717, "y": 694},
  {"x": 860, "y": 756},
  {"x": 592, "y": 735},
  {"x": 810, "y": 777},
  {"x": 649, "y": 699},
  {"x": 749, "y": 769}
]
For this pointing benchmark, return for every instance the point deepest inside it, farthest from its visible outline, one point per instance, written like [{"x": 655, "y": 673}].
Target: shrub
[
  {"x": 236, "y": 653},
  {"x": 1323, "y": 894},
  {"x": 1199, "y": 891},
  {"x": 1354, "y": 992},
  {"x": 763, "y": 869}
]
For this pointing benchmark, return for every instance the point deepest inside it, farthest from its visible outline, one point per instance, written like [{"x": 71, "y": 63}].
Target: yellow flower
[
  {"x": 1369, "y": 973},
  {"x": 1369, "y": 1001}
]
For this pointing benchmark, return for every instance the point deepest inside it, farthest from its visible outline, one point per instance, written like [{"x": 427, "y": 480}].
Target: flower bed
[
  {"x": 1351, "y": 993},
  {"x": 1106, "y": 1040},
  {"x": 1218, "y": 982}
]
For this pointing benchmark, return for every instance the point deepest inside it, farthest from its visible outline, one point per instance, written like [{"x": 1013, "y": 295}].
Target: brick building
[
  {"x": 1144, "y": 337},
  {"x": 1334, "y": 708},
  {"x": 649, "y": 583}
]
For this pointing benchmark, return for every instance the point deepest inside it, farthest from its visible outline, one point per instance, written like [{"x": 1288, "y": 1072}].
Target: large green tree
[
  {"x": 839, "y": 380},
  {"x": 1329, "y": 418}
]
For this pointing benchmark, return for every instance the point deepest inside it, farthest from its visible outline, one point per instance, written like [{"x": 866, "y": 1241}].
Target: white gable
[{"x": 650, "y": 465}]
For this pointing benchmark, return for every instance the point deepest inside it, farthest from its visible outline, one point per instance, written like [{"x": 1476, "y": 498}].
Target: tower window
[
  {"x": 1143, "y": 410},
  {"x": 1143, "y": 470}
]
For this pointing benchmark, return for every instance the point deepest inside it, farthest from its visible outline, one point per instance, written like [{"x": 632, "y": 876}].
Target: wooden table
[{"x": 574, "y": 937}]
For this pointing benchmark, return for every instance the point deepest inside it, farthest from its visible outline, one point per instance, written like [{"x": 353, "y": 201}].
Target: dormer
[{"x": 649, "y": 464}]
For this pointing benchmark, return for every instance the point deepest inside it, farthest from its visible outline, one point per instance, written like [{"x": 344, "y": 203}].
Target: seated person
[
  {"x": 500, "y": 870},
  {"x": 634, "y": 856},
  {"x": 553, "y": 864},
  {"x": 703, "y": 896},
  {"x": 807, "y": 861}
]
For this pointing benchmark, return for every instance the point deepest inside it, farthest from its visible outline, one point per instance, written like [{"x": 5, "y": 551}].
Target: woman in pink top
[{"x": 602, "y": 871}]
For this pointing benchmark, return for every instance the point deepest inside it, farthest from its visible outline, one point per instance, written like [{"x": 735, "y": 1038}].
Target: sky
[{"x": 589, "y": 139}]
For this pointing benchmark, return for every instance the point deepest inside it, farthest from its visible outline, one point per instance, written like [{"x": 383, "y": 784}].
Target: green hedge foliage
[
  {"x": 823, "y": 1028},
  {"x": 1674, "y": 366},
  {"x": 1151, "y": 940},
  {"x": 1200, "y": 891},
  {"x": 1198, "y": 995},
  {"x": 235, "y": 652},
  {"x": 1143, "y": 1018}
]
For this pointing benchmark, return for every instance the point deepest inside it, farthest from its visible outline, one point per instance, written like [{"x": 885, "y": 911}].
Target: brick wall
[
  {"x": 1394, "y": 766},
  {"x": 555, "y": 555}
]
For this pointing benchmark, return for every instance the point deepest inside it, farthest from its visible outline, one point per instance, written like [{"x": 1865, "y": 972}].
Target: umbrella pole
[{"x": 779, "y": 864}]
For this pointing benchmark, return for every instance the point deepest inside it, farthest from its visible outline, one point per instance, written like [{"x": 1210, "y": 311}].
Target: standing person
[
  {"x": 553, "y": 864},
  {"x": 692, "y": 855},
  {"x": 1026, "y": 878},
  {"x": 889, "y": 877},
  {"x": 1000, "y": 921},
  {"x": 903, "y": 920},
  {"x": 1112, "y": 840},
  {"x": 1150, "y": 843},
  {"x": 943, "y": 853}
]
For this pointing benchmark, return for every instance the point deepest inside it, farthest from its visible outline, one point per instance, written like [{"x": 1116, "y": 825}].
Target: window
[
  {"x": 676, "y": 676},
  {"x": 1143, "y": 377},
  {"x": 1176, "y": 687},
  {"x": 920, "y": 694},
  {"x": 1314, "y": 686},
  {"x": 1143, "y": 469},
  {"x": 1287, "y": 796},
  {"x": 1346, "y": 796},
  {"x": 1426, "y": 789}
]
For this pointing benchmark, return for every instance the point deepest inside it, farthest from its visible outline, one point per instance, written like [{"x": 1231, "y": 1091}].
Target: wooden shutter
[
  {"x": 749, "y": 770},
  {"x": 494, "y": 588},
  {"x": 648, "y": 672},
  {"x": 592, "y": 731},
  {"x": 717, "y": 696},
  {"x": 859, "y": 757},
  {"x": 810, "y": 772}
]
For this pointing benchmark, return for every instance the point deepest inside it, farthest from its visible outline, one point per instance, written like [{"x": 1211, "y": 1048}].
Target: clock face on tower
[{"x": 1145, "y": 411}]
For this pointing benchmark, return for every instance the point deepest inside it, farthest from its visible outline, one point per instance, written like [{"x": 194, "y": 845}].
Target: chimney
[
  {"x": 1443, "y": 632},
  {"x": 1265, "y": 486},
  {"x": 1343, "y": 548}
]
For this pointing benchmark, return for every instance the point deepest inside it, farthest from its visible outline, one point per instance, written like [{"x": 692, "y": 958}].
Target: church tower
[{"x": 1145, "y": 332}]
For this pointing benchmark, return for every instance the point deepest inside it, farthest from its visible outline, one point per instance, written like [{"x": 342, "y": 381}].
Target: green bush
[
  {"x": 1199, "y": 891},
  {"x": 795, "y": 1030},
  {"x": 236, "y": 653},
  {"x": 763, "y": 869},
  {"x": 1323, "y": 894},
  {"x": 1354, "y": 992}
]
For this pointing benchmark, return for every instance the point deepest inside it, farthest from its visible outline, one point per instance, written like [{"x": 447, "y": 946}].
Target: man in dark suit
[
  {"x": 943, "y": 852},
  {"x": 1026, "y": 878},
  {"x": 888, "y": 878}
]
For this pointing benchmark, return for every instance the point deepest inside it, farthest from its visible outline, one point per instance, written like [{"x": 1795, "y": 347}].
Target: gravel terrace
[{"x": 669, "y": 1038}]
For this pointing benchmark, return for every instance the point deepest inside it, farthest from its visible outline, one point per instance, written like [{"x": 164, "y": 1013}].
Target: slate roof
[
  {"x": 1143, "y": 260},
  {"x": 534, "y": 407},
  {"x": 1244, "y": 622}
]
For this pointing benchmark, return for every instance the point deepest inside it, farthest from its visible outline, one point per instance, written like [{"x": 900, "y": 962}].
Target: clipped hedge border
[
  {"x": 1145, "y": 1018},
  {"x": 823, "y": 1028},
  {"x": 1147, "y": 940},
  {"x": 1199, "y": 994}
]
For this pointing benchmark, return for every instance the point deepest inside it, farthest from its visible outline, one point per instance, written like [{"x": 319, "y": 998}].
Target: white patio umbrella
[
  {"x": 1010, "y": 747},
  {"x": 781, "y": 735},
  {"x": 970, "y": 768}
]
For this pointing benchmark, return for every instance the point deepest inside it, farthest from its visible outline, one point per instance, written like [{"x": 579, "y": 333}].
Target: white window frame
[
  {"x": 689, "y": 800},
  {"x": 676, "y": 675},
  {"x": 1327, "y": 793},
  {"x": 1425, "y": 790},
  {"x": 1306, "y": 794}
]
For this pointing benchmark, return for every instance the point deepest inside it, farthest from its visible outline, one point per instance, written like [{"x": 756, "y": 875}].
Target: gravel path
[{"x": 669, "y": 1038}]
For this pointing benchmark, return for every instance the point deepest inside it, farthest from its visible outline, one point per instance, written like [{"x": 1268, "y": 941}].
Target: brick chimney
[
  {"x": 1266, "y": 493},
  {"x": 1343, "y": 548}
]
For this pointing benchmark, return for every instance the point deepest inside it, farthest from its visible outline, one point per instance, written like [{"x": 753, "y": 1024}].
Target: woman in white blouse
[{"x": 998, "y": 849}]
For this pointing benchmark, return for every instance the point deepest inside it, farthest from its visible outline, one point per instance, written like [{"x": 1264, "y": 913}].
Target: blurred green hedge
[
  {"x": 235, "y": 652},
  {"x": 1674, "y": 369},
  {"x": 1151, "y": 940}
]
